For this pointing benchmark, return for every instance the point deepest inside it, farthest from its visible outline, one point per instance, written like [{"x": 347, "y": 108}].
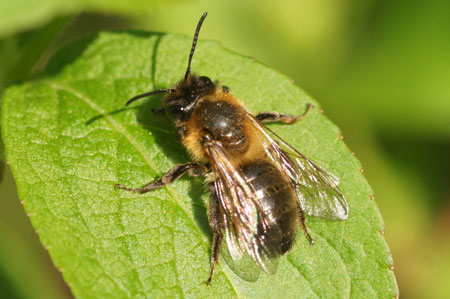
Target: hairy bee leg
[
  {"x": 303, "y": 224},
  {"x": 273, "y": 116},
  {"x": 194, "y": 170},
  {"x": 216, "y": 223}
]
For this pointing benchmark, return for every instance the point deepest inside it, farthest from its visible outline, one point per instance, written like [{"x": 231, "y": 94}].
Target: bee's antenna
[
  {"x": 194, "y": 43},
  {"x": 147, "y": 94}
]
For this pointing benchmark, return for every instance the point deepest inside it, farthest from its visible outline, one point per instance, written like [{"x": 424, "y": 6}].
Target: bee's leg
[
  {"x": 194, "y": 169},
  {"x": 303, "y": 224},
  {"x": 216, "y": 223},
  {"x": 273, "y": 116}
]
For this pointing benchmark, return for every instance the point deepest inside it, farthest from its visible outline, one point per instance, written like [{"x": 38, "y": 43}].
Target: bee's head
[
  {"x": 182, "y": 99},
  {"x": 180, "y": 103}
]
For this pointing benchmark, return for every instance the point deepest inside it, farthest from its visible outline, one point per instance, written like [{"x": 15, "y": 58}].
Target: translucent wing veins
[
  {"x": 242, "y": 210},
  {"x": 317, "y": 190}
]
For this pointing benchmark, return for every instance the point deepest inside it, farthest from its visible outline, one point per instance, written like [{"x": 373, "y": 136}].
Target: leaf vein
[{"x": 120, "y": 129}]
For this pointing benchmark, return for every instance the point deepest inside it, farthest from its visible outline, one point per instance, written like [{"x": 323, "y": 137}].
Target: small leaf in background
[
  {"x": 2, "y": 158},
  {"x": 69, "y": 139},
  {"x": 17, "y": 16}
]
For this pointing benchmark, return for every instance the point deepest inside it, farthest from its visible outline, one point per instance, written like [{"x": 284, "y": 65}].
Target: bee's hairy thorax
[{"x": 223, "y": 117}]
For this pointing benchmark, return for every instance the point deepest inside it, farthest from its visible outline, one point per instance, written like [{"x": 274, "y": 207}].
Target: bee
[{"x": 261, "y": 187}]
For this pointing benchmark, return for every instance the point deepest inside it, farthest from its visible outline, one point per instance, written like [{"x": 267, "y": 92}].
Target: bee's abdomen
[{"x": 279, "y": 214}]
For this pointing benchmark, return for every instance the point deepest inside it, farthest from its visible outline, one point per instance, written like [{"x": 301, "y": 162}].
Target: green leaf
[
  {"x": 69, "y": 139},
  {"x": 19, "y": 53},
  {"x": 25, "y": 14}
]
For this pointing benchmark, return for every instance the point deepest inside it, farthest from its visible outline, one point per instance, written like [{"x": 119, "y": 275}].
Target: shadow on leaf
[{"x": 174, "y": 151}]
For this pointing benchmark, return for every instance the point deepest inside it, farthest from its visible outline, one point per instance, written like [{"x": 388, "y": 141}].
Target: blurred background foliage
[{"x": 380, "y": 68}]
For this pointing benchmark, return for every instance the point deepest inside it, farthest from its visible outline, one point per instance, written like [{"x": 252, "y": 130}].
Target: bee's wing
[
  {"x": 242, "y": 209},
  {"x": 317, "y": 190}
]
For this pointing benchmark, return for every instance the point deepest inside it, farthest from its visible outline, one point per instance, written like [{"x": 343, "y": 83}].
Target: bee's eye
[
  {"x": 174, "y": 110},
  {"x": 203, "y": 80}
]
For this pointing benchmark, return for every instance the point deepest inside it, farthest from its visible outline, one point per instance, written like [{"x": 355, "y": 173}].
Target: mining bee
[{"x": 261, "y": 187}]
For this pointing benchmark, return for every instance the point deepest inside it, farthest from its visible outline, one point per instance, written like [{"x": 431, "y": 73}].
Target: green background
[{"x": 380, "y": 69}]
